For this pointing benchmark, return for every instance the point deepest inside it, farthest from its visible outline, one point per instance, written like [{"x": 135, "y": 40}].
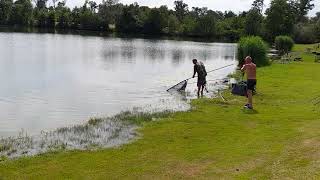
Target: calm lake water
[{"x": 51, "y": 80}]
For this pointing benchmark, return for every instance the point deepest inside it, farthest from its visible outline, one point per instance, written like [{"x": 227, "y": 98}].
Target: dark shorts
[
  {"x": 201, "y": 81},
  {"x": 251, "y": 84}
]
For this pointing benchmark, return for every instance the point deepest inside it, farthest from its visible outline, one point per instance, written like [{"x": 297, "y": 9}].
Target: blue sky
[{"x": 221, "y": 5}]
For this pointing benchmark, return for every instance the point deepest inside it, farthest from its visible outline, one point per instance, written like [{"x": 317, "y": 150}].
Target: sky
[{"x": 221, "y": 5}]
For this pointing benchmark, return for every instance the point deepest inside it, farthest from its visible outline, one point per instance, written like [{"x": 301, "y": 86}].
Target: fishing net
[{"x": 179, "y": 87}]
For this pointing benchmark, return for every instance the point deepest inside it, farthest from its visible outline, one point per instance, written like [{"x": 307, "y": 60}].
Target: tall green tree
[
  {"x": 280, "y": 19},
  {"x": 129, "y": 21},
  {"x": 5, "y": 10},
  {"x": 51, "y": 18},
  {"x": 204, "y": 22},
  {"x": 63, "y": 16},
  {"x": 89, "y": 20},
  {"x": 206, "y": 25},
  {"x": 317, "y": 30},
  {"x": 41, "y": 4},
  {"x": 181, "y": 9},
  {"x": 75, "y": 17},
  {"x": 258, "y": 5},
  {"x": 231, "y": 29},
  {"x": 189, "y": 25},
  {"x": 174, "y": 25},
  {"x": 229, "y": 14},
  {"x": 110, "y": 11},
  {"x": 253, "y": 23},
  {"x": 93, "y": 6},
  {"x": 110, "y": 2},
  {"x": 21, "y": 13},
  {"x": 198, "y": 12},
  {"x": 302, "y": 8},
  {"x": 40, "y": 16},
  {"x": 153, "y": 24}
]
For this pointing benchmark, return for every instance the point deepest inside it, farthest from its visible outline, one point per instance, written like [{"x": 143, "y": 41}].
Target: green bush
[
  {"x": 304, "y": 34},
  {"x": 255, "y": 47},
  {"x": 317, "y": 30},
  {"x": 284, "y": 44}
]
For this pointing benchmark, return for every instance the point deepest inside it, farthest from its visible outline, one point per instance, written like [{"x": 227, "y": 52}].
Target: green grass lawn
[{"x": 280, "y": 139}]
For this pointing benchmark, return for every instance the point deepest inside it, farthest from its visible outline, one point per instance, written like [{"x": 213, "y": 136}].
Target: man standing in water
[
  {"x": 200, "y": 69},
  {"x": 250, "y": 69}
]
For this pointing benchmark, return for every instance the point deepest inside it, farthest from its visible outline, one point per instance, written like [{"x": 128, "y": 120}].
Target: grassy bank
[{"x": 281, "y": 138}]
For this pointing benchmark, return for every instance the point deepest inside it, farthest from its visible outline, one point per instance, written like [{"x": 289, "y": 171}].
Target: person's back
[{"x": 200, "y": 69}]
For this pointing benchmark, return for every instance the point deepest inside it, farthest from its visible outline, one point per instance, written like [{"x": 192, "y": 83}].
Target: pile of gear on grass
[{"x": 240, "y": 88}]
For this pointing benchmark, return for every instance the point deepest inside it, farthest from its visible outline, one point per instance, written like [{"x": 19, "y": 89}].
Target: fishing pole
[
  {"x": 213, "y": 80},
  {"x": 220, "y": 68}
]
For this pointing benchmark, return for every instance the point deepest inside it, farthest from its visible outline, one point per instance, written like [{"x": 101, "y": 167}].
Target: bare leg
[
  {"x": 249, "y": 92},
  {"x": 202, "y": 88}
]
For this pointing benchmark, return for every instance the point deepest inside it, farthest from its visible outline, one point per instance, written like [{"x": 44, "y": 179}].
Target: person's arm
[
  {"x": 194, "y": 71},
  {"x": 243, "y": 68}
]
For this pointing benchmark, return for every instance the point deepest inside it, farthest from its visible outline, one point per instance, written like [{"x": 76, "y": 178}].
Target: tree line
[{"x": 283, "y": 17}]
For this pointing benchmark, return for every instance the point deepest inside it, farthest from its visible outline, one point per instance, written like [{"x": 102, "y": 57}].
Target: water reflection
[
  {"x": 177, "y": 56},
  {"x": 154, "y": 53},
  {"x": 204, "y": 55},
  {"x": 128, "y": 51}
]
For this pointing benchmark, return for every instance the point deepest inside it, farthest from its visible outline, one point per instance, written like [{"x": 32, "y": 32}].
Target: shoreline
[
  {"x": 36, "y": 30},
  {"x": 75, "y": 137},
  {"x": 96, "y": 133}
]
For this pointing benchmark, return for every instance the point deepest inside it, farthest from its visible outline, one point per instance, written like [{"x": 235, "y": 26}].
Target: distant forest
[{"x": 283, "y": 17}]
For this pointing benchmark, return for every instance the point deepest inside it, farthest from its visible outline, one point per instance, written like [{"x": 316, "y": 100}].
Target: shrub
[
  {"x": 255, "y": 47},
  {"x": 284, "y": 44},
  {"x": 304, "y": 34},
  {"x": 317, "y": 30}
]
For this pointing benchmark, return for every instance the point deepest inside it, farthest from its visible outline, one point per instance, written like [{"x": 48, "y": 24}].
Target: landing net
[{"x": 179, "y": 87}]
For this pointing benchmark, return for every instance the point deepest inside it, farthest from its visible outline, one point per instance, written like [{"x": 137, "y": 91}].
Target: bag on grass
[{"x": 239, "y": 89}]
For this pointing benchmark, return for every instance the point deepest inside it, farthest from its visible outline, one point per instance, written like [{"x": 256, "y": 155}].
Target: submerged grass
[
  {"x": 96, "y": 133},
  {"x": 215, "y": 140}
]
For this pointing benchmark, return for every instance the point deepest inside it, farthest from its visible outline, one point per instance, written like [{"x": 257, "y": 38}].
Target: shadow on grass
[{"x": 249, "y": 111}]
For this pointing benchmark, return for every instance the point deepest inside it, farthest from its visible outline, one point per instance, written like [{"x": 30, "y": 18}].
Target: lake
[{"x": 51, "y": 80}]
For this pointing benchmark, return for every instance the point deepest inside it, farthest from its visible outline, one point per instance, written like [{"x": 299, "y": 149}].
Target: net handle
[
  {"x": 220, "y": 68},
  {"x": 207, "y": 73}
]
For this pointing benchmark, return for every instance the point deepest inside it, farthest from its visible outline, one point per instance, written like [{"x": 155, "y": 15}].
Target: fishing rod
[
  {"x": 213, "y": 80},
  {"x": 186, "y": 80},
  {"x": 220, "y": 68}
]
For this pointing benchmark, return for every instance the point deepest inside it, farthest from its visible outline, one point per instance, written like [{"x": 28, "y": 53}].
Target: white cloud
[{"x": 221, "y": 5}]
